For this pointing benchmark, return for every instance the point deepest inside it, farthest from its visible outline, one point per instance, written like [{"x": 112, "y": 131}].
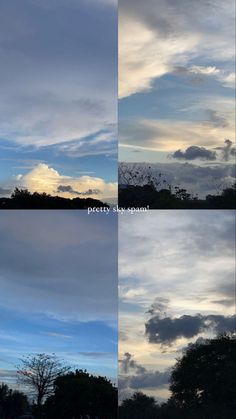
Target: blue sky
[
  {"x": 58, "y": 105},
  {"x": 58, "y": 291},
  {"x": 176, "y": 84}
]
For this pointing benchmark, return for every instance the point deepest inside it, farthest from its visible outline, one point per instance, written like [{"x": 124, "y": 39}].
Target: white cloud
[
  {"x": 144, "y": 55},
  {"x": 168, "y": 135},
  {"x": 156, "y": 36},
  {"x": 46, "y": 179}
]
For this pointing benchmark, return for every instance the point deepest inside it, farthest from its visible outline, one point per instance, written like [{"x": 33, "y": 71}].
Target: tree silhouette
[
  {"x": 206, "y": 374},
  {"x": 12, "y": 402},
  {"x": 139, "y": 406},
  {"x": 78, "y": 394},
  {"x": 175, "y": 198},
  {"x": 39, "y": 372},
  {"x": 24, "y": 199}
]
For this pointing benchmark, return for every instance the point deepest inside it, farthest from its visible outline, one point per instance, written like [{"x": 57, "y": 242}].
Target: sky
[
  {"x": 176, "y": 285},
  {"x": 58, "y": 281},
  {"x": 58, "y": 96},
  {"x": 176, "y": 87}
]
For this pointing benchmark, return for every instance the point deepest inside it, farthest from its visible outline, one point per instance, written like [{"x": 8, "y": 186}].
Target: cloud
[
  {"x": 201, "y": 180},
  {"x": 43, "y": 178},
  {"x": 155, "y": 39},
  {"x": 228, "y": 151},
  {"x": 170, "y": 134},
  {"x": 58, "y": 335},
  {"x": 95, "y": 355},
  {"x": 195, "y": 152},
  {"x": 68, "y": 188},
  {"x": 141, "y": 377},
  {"x": 187, "y": 259},
  {"x": 59, "y": 70},
  {"x": 167, "y": 330},
  {"x": 196, "y": 69},
  {"x": 128, "y": 363},
  {"x": 4, "y": 191}
]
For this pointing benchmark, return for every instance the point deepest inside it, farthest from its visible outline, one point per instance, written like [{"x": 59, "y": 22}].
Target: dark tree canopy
[
  {"x": 206, "y": 374},
  {"x": 12, "y": 402},
  {"x": 78, "y": 394},
  {"x": 172, "y": 197},
  {"x": 139, "y": 406},
  {"x": 39, "y": 372},
  {"x": 24, "y": 199}
]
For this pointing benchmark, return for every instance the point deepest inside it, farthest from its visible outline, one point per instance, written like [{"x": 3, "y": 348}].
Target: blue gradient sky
[{"x": 58, "y": 291}]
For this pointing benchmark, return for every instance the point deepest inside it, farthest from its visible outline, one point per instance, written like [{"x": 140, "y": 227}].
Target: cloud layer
[
  {"x": 153, "y": 40},
  {"x": 43, "y": 178},
  {"x": 58, "y": 73}
]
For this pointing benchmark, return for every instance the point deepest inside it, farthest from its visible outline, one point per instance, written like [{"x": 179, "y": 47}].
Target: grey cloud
[
  {"x": 225, "y": 302},
  {"x": 68, "y": 188},
  {"x": 128, "y": 363},
  {"x": 216, "y": 119},
  {"x": 167, "y": 330},
  {"x": 202, "y": 180},
  {"x": 141, "y": 377},
  {"x": 97, "y": 354},
  {"x": 59, "y": 69},
  {"x": 4, "y": 191},
  {"x": 195, "y": 152},
  {"x": 227, "y": 150}
]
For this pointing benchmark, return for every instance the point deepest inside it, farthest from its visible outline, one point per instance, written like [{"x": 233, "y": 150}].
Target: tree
[
  {"x": 205, "y": 376},
  {"x": 139, "y": 406},
  {"x": 39, "y": 372},
  {"x": 78, "y": 394},
  {"x": 12, "y": 402}
]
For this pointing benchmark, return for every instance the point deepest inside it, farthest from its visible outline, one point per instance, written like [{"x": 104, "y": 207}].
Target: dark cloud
[
  {"x": 225, "y": 302},
  {"x": 166, "y": 330},
  {"x": 194, "y": 152},
  {"x": 128, "y": 363},
  {"x": 227, "y": 150},
  {"x": 4, "y": 191},
  {"x": 140, "y": 377},
  {"x": 68, "y": 188}
]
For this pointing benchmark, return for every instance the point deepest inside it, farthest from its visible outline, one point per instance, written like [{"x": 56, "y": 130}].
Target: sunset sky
[
  {"x": 58, "y": 291},
  {"x": 176, "y": 285},
  {"x": 176, "y": 87},
  {"x": 58, "y": 102}
]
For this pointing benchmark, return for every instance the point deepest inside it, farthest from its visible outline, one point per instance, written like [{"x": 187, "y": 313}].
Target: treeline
[
  {"x": 76, "y": 395},
  {"x": 23, "y": 199},
  {"x": 12, "y": 402},
  {"x": 202, "y": 385},
  {"x": 173, "y": 198}
]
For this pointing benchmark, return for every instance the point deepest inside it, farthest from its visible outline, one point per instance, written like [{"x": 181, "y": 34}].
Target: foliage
[
  {"x": 78, "y": 394},
  {"x": 39, "y": 372},
  {"x": 206, "y": 374},
  {"x": 23, "y": 199},
  {"x": 148, "y": 195},
  {"x": 12, "y": 402},
  {"x": 139, "y": 406}
]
